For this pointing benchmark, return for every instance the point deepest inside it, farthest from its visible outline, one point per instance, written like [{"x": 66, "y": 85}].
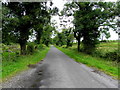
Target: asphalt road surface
[{"x": 59, "y": 71}]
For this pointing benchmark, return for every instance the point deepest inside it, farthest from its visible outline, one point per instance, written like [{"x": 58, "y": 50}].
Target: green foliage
[
  {"x": 47, "y": 33},
  {"x": 17, "y": 23},
  {"x": 30, "y": 48},
  {"x": 88, "y": 17},
  {"x": 117, "y": 13},
  {"x": 20, "y": 19},
  {"x": 69, "y": 37},
  {"x": 108, "y": 51},
  {"x": 9, "y": 56},
  {"x": 10, "y": 53},
  {"x": 64, "y": 38},
  {"x": 39, "y": 46},
  {"x": 60, "y": 39},
  {"x": 115, "y": 56},
  {"x": 89, "y": 46},
  {"x": 7, "y": 26}
]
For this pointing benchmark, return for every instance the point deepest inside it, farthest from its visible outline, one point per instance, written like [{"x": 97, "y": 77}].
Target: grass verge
[
  {"x": 107, "y": 67},
  {"x": 10, "y": 69}
]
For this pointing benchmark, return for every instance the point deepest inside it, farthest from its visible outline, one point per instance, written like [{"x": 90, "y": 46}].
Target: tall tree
[
  {"x": 47, "y": 33},
  {"x": 117, "y": 14},
  {"x": 43, "y": 18},
  {"x": 88, "y": 17},
  {"x": 69, "y": 37},
  {"x": 59, "y": 39},
  {"x": 23, "y": 12},
  {"x": 22, "y": 18}
]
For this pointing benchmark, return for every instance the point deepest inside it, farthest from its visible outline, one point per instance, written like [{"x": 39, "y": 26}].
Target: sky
[{"x": 60, "y": 5}]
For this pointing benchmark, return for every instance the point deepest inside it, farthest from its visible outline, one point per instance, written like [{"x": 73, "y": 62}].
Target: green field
[
  {"x": 108, "y": 66},
  {"x": 108, "y": 47},
  {"x": 106, "y": 50},
  {"x": 11, "y": 64},
  {"x": 104, "y": 47}
]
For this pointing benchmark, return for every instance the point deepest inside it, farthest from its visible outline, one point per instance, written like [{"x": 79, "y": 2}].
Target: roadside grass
[
  {"x": 108, "y": 67},
  {"x": 10, "y": 68},
  {"x": 106, "y": 50}
]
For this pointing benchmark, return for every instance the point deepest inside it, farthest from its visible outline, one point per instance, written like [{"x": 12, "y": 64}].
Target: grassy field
[
  {"x": 107, "y": 47},
  {"x": 104, "y": 47},
  {"x": 107, "y": 66},
  {"x": 11, "y": 67},
  {"x": 106, "y": 50}
]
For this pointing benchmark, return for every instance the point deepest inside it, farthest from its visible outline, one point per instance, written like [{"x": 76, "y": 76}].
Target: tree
[
  {"x": 22, "y": 18},
  {"x": 22, "y": 12},
  {"x": 117, "y": 15},
  {"x": 42, "y": 17},
  {"x": 6, "y": 26},
  {"x": 66, "y": 27},
  {"x": 68, "y": 34},
  {"x": 47, "y": 33},
  {"x": 59, "y": 39},
  {"x": 88, "y": 17}
]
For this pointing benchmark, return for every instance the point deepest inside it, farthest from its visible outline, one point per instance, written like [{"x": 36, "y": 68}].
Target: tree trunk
[
  {"x": 23, "y": 48},
  {"x": 46, "y": 43},
  {"x": 78, "y": 39},
  {"x": 78, "y": 44},
  {"x": 38, "y": 37},
  {"x": 68, "y": 43}
]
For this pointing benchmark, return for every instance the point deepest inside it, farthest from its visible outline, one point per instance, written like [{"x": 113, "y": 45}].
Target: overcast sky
[{"x": 60, "y": 5}]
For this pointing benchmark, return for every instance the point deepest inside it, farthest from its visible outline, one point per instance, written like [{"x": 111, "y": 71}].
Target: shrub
[
  {"x": 8, "y": 56},
  {"x": 17, "y": 54},
  {"x": 64, "y": 46},
  {"x": 115, "y": 56},
  {"x": 4, "y": 47},
  {"x": 98, "y": 54},
  {"x": 40, "y": 46},
  {"x": 30, "y": 48}
]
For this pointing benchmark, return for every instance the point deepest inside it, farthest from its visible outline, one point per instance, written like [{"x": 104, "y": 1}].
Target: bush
[
  {"x": 10, "y": 52},
  {"x": 64, "y": 46},
  {"x": 8, "y": 56},
  {"x": 4, "y": 47},
  {"x": 115, "y": 56},
  {"x": 40, "y": 46},
  {"x": 97, "y": 54},
  {"x": 17, "y": 54},
  {"x": 30, "y": 48}
]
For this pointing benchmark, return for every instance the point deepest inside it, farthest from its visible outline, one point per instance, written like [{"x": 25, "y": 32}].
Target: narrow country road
[{"x": 59, "y": 71}]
